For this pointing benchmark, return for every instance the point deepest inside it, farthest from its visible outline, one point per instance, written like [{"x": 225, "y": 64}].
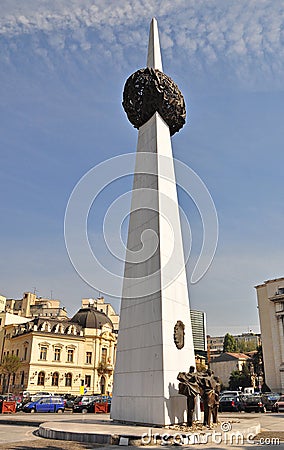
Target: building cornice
[{"x": 268, "y": 282}]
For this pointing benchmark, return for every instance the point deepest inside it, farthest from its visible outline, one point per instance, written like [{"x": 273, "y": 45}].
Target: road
[
  {"x": 22, "y": 437},
  {"x": 12, "y": 433}
]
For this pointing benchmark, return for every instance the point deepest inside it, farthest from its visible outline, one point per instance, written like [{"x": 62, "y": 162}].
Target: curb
[
  {"x": 21, "y": 423},
  {"x": 50, "y": 430}
]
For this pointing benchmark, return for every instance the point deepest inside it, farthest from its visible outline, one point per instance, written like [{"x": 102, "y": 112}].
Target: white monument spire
[
  {"x": 154, "y": 59},
  {"x": 155, "y": 336}
]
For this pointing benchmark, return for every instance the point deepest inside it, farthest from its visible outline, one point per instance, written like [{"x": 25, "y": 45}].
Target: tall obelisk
[{"x": 155, "y": 336}]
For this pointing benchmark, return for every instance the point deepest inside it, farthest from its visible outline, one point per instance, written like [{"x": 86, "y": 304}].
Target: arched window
[
  {"x": 68, "y": 379},
  {"x": 40, "y": 378},
  {"x": 58, "y": 328},
  {"x": 45, "y": 326},
  {"x": 55, "y": 378}
]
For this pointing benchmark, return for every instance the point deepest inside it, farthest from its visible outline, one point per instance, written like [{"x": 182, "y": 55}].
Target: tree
[
  {"x": 258, "y": 361},
  {"x": 229, "y": 344},
  {"x": 259, "y": 369},
  {"x": 240, "y": 378},
  {"x": 243, "y": 346},
  {"x": 9, "y": 365}
]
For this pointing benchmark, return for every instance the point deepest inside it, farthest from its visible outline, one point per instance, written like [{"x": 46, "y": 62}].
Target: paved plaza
[{"x": 20, "y": 431}]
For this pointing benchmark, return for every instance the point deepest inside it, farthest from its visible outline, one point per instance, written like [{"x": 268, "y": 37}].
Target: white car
[
  {"x": 40, "y": 395},
  {"x": 230, "y": 393}
]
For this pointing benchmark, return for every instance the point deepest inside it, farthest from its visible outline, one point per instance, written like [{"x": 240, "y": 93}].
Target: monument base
[{"x": 160, "y": 412}]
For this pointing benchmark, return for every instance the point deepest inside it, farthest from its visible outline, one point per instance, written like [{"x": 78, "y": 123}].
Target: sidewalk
[{"x": 100, "y": 429}]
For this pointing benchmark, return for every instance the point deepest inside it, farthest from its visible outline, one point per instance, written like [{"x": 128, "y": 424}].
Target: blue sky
[{"x": 62, "y": 70}]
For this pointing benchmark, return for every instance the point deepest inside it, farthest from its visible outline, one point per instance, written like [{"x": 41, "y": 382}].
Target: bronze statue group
[{"x": 207, "y": 386}]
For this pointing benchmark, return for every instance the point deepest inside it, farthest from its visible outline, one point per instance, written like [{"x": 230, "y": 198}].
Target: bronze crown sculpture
[{"x": 149, "y": 90}]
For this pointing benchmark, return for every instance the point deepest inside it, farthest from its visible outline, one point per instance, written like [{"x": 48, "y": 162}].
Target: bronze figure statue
[
  {"x": 190, "y": 387},
  {"x": 210, "y": 395},
  {"x": 207, "y": 386}
]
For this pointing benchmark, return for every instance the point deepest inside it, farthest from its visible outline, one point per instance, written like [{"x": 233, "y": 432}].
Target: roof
[
  {"x": 269, "y": 281},
  {"x": 230, "y": 356},
  {"x": 91, "y": 318}
]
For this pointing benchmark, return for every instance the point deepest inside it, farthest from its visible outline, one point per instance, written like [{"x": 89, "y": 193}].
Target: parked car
[
  {"x": 38, "y": 395},
  {"x": 1, "y": 402},
  {"x": 269, "y": 400},
  {"x": 69, "y": 401},
  {"x": 9, "y": 397},
  {"x": 85, "y": 408},
  {"x": 278, "y": 405},
  {"x": 253, "y": 403},
  {"x": 82, "y": 403},
  {"x": 230, "y": 393},
  {"x": 103, "y": 398},
  {"x": 45, "y": 404},
  {"x": 87, "y": 405},
  {"x": 19, "y": 402},
  {"x": 230, "y": 403}
]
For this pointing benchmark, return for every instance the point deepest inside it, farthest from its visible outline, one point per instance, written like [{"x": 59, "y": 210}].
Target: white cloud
[{"x": 244, "y": 37}]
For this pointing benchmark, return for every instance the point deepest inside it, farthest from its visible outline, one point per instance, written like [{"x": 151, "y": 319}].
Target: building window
[
  {"x": 23, "y": 377},
  {"x": 43, "y": 353},
  {"x": 70, "y": 355},
  {"x": 40, "y": 378},
  {"x": 26, "y": 351},
  {"x": 13, "y": 379},
  {"x": 103, "y": 385},
  {"x": 88, "y": 357},
  {"x": 104, "y": 355},
  {"x": 17, "y": 352},
  {"x": 88, "y": 381},
  {"x": 57, "y": 354},
  {"x": 55, "y": 379},
  {"x": 68, "y": 379},
  {"x": 12, "y": 352}
]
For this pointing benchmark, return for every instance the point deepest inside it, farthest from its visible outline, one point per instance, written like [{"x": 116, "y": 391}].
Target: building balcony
[
  {"x": 278, "y": 296},
  {"x": 104, "y": 367}
]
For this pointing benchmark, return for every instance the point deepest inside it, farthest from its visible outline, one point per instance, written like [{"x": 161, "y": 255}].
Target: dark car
[
  {"x": 102, "y": 398},
  {"x": 269, "y": 400},
  {"x": 253, "y": 403},
  {"x": 278, "y": 405},
  {"x": 69, "y": 401},
  {"x": 82, "y": 403},
  {"x": 230, "y": 403},
  {"x": 85, "y": 408},
  {"x": 1, "y": 402},
  {"x": 86, "y": 403}
]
